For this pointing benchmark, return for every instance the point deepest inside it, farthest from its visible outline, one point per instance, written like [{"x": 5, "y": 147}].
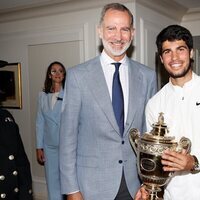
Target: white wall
[
  {"x": 147, "y": 28},
  {"x": 192, "y": 22}
]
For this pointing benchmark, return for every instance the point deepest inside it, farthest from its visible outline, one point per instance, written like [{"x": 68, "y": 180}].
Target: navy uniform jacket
[{"x": 15, "y": 175}]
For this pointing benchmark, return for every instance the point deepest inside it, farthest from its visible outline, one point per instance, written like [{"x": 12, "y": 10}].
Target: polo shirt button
[
  {"x": 122, "y": 141},
  {"x": 120, "y": 161}
]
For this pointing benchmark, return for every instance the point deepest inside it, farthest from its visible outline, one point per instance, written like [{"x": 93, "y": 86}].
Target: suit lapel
[
  {"x": 98, "y": 86},
  {"x": 135, "y": 81}
]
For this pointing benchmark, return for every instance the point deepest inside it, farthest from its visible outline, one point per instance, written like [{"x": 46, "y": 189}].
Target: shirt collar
[
  {"x": 107, "y": 60},
  {"x": 187, "y": 84}
]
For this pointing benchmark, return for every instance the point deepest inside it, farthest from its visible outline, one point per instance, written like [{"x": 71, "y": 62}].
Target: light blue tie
[{"x": 118, "y": 99}]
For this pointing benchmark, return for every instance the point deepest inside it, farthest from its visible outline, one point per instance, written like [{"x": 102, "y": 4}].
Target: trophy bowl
[{"x": 149, "y": 148}]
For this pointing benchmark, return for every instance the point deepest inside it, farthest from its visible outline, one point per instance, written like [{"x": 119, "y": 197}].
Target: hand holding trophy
[{"x": 149, "y": 149}]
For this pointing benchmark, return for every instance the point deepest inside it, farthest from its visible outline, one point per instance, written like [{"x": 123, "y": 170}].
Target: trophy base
[{"x": 153, "y": 192}]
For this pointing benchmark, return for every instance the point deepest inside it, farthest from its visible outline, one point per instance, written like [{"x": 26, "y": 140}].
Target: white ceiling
[
  {"x": 189, "y": 4},
  {"x": 13, "y": 5},
  {"x": 8, "y": 5}
]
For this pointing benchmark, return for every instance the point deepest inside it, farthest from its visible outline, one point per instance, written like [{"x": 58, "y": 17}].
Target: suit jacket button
[
  {"x": 3, "y": 196},
  {"x": 2, "y": 177},
  {"x": 120, "y": 161}
]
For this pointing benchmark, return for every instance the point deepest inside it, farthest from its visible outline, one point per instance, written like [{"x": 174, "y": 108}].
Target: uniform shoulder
[{"x": 5, "y": 113}]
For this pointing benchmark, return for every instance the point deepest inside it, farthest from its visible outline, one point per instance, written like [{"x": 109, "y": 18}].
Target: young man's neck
[{"x": 182, "y": 80}]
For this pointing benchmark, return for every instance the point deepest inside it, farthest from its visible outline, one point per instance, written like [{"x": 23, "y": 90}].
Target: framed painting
[{"x": 11, "y": 86}]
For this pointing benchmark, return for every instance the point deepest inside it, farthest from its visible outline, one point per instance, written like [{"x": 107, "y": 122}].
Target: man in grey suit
[{"x": 96, "y": 158}]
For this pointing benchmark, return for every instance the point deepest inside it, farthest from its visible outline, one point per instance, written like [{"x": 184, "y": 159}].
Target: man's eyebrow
[
  {"x": 181, "y": 46},
  {"x": 167, "y": 49}
]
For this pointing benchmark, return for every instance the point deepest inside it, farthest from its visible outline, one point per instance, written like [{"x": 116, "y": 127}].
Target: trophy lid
[{"x": 159, "y": 131}]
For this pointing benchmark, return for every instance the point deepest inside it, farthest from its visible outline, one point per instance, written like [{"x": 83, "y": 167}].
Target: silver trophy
[{"x": 149, "y": 149}]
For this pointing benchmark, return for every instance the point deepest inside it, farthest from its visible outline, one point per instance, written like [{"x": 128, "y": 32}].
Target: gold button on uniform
[
  {"x": 15, "y": 173},
  {"x": 2, "y": 177},
  {"x": 11, "y": 157},
  {"x": 3, "y": 196},
  {"x": 30, "y": 191},
  {"x": 16, "y": 190}
]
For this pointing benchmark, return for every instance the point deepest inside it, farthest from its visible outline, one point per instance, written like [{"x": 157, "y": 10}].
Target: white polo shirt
[{"x": 181, "y": 108}]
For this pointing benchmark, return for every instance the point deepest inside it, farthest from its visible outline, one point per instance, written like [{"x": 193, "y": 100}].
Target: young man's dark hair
[{"x": 172, "y": 33}]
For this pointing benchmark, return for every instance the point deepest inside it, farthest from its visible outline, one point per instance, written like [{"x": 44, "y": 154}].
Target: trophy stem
[{"x": 153, "y": 191}]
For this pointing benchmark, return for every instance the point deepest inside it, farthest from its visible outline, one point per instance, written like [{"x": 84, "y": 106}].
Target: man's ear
[
  {"x": 100, "y": 31},
  {"x": 191, "y": 53},
  {"x": 161, "y": 59},
  {"x": 132, "y": 33}
]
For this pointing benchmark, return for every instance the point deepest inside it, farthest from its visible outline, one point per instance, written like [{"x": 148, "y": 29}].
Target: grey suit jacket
[{"x": 92, "y": 152}]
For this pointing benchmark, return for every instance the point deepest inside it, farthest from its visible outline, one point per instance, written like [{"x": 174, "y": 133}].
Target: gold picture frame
[{"x": 11, "y": 86}]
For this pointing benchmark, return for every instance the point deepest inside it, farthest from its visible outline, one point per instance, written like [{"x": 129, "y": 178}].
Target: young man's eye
[
  {"x": 182, "y": 49},
  {"x": 165, "y": 52}
]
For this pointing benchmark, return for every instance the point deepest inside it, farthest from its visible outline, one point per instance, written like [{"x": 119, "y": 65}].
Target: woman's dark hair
[
  {"x": 172, "y": 33},
  {"x": 48, "y": 81}
]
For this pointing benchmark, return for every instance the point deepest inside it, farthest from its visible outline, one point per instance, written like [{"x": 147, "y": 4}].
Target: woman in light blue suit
[{"x": 48, "y": 125}]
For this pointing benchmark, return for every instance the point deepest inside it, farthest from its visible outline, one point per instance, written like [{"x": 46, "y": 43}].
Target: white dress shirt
[
  {"x": 109, "y": 69},
  {"x": 54, "y": 99}
]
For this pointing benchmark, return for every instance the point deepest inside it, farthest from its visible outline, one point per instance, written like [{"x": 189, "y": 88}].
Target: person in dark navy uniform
[{"x": 15, "y": 174}]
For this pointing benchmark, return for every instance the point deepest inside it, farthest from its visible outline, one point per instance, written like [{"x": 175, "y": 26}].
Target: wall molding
[
  {"x": 192, "y": 15},
  {"x": 39, "y": 188},
  {"x": 58, "y": 7},
  {"x": 165, "y": 7}
]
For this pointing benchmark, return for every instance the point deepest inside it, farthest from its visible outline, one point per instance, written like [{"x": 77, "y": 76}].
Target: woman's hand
[
  {"x": 40, "y": 156},
  {"x": 75, "y": 196}
]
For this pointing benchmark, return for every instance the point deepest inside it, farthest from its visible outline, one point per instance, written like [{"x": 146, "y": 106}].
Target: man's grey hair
[{"x": 115, "y": 6}]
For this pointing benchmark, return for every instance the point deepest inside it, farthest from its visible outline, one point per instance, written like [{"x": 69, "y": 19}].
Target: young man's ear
[
  {"x": 191, "y": 53},
  {"x": 161, "y": 59}
]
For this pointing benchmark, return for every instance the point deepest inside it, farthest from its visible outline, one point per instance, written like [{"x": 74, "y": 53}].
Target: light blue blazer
[
  {"x": 48, "y": 120},
  {"x": 92, "y": 152},
  {"x": 47, "y": 138}
]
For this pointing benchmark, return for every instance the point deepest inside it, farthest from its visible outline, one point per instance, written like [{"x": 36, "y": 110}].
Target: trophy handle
[
  {"x": 184, "y": 143},
  {"x": 133, "y": 137}
]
